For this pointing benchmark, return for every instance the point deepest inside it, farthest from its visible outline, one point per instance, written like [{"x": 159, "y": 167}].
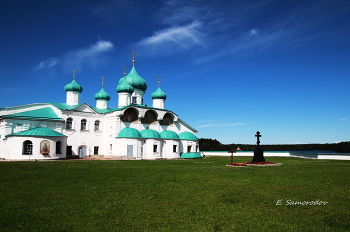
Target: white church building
[{"x": 73, "y": 129}]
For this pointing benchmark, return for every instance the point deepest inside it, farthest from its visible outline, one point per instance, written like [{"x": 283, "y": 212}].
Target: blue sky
[{"x": 229, "y": 68}]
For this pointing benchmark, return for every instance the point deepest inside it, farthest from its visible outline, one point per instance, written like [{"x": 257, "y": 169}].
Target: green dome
[
  {"x": 129, "y": 133},
  {"x": 158, "y": 94},
  {"x": 102, "y": 95},
  {"x": 168, "y": 135},
  {"x": 124, "y": 87},
  {"x": 73, "y": 86},
  {"x": 148, "y": 133},
  {"x": 134, "y": 80},
  {"x": 187, "y": 136}
]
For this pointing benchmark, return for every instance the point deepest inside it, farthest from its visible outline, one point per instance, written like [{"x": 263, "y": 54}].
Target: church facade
[{"x": 73, "y": 129}]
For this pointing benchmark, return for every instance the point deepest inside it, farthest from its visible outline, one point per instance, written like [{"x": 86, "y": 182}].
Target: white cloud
[
  {"x": 76, "y": 58},
  {"x": 182, "y": 37}
]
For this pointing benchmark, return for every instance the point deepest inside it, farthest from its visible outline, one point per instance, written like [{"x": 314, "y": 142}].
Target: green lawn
[{"x": 174, "y": 195}]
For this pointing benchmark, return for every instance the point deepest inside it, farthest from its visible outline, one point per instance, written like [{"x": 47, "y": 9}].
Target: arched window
[
  {"x": 167, "y": 120},
  {"x": 27, "y": 147},
  {"x": 130, "y": 115},
  {"x": 150, "y": 118},
  {"x": 58, "y": 147},
  {"x": 83, "y": 124},
  {"x": 97, "y": 125},
  {"x": 69, "y": 123}
]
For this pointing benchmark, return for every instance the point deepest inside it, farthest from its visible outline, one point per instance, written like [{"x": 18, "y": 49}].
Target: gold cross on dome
[
  {"x": 103, "y": 81},
  {"x": 133, "y": 57},
  {"x": 74, "y": 73},
  {"x": 159, "y": 80}
]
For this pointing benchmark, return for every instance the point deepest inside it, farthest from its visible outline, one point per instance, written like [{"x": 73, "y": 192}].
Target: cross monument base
[{"x": 258, "y": 155}]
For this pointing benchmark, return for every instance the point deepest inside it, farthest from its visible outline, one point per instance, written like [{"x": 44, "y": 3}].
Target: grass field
[{"x": 174, "y": 195}]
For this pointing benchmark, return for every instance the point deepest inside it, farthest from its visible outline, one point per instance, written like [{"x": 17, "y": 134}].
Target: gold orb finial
[
  {"x": 133, "y": 58},
  {"x": 159, "y": 80},
  {"x": 103, "y": 82},
  {"x": 124, "y": 71}
]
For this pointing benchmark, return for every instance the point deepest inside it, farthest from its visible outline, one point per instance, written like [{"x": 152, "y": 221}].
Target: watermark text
[{"x": 291, "y": 202}]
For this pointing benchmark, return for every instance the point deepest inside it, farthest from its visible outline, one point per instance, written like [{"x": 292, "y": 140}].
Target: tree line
[{"x": 215, "y": 145}]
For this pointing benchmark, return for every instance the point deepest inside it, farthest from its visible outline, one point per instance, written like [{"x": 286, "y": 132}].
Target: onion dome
[
  {"x": 150, "y": 134},
  {"x": 168, "y": 135},
  {"x": 73, "y": 86},
  {"x": 187, "y": 136},
  {"x": 158, "y": 94},
  {"x": 102, "y": 95},
  {"x": 128, "y": 132},
  {"x": 134, "y": 80},
  {"x": 124, "y": 87}
]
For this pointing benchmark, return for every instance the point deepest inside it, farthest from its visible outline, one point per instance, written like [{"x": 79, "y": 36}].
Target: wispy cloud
[
  {"x": 77, "y": 58},
  {"x": 221, "y": 124},
  {"x": 11, "y": 90},
  {"x": 254, "y": 31},
  {"x": 177, "y": 37},
  {"x": 174, "y": 12},
  {"x": 51, "y": 62},
  {"x": 250, "y": 42}
]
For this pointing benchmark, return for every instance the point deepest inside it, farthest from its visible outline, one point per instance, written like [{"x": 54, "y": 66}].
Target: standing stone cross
[{"x": 258, "y": 136}]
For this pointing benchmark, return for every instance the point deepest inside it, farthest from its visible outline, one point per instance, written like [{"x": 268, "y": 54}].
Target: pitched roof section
[
  {"x": 39, "y": 131},
  {"x": 188, "y": 126},
  {"x": 44, "y": 113}
]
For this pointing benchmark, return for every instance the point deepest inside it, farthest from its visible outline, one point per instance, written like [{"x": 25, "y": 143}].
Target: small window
[
  {"x": 83, "y": 124},
  {"x": 69, "y": 123},
  {"x": 133, "y": 100},
  {"x": 174, "y": 148},
  {"x": 155, "y": 148},
  {"x": 27, "y": 147},
  {"x": 110, "y": 147},
  {"x": 58, "y": 147},
  {"x": 96, "y": 150},
  {"x": 97, "y": 125}
]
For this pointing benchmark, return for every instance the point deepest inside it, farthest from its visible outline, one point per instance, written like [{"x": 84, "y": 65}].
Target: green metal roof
[
  {"x": 168, "y": 135},
  {"x": 158, "y": 94},
  {"x": 73, "y": 86},
  {"x": 149, "y": 133},
  {"x": 129, "y": 133},
  {"x": 134, "y": 80},
  {"x": 102, "y": 95},
  {"x": 190, "y": 155},
  {"x": 124, "y": 86},
  {"x": 64, "y": 106},
  {"x": 187, "y": 136},
  {"x": 44, "y": 113},
  {"x": 39, "y": 131}
]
